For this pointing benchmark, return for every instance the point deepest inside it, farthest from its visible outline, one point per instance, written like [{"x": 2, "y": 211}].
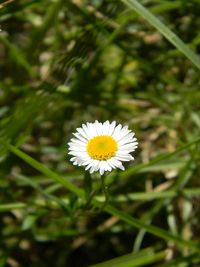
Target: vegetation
[{"x": 64, "y": 63}]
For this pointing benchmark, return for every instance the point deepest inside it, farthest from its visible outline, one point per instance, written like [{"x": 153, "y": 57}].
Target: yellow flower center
[{"x": 102, "y": 147}]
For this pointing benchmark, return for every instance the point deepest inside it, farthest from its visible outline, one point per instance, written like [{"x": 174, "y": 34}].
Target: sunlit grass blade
[
  {"x": 148, "y": 196},
  {"x": 12, "y": 206},
  {"x": 141, "y": 258},
  {"x": 164, "y": 30}
]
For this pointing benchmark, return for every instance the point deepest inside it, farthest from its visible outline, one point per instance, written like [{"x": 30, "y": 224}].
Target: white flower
[{"x": 102, "y": 146}]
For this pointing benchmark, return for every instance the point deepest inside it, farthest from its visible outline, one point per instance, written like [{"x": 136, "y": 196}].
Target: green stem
[
  {"x": 87, "y": 184},
  {"x": 105, "y": 190}
]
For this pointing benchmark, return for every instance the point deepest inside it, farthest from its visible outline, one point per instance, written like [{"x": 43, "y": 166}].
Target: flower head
[{"x": 102, "y": 146}]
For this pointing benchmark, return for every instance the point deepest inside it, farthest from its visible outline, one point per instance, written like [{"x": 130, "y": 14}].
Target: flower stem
[
  {"x": 87, "y": 184},
  {"x": 105, "y": 190}
]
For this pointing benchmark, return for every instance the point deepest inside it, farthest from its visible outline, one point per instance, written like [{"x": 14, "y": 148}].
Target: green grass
[{"x": 64, "y": 63}]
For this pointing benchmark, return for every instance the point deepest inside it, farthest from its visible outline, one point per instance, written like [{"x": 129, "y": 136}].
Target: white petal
[
  {"x": 124, "y": 132},
  {"x": 115, "y": 162},
  {"x": 86, "y": 162},
  {"x": 121, "y": 167},
  {"x": 78, "y": 147},
  {"x": 92, "y": 129},
  {"x": 95, "y": 167},
  {"x": 108, "y": 166},
  {"x": 82, "y": 134},
  {"x": 104, "y": 165},
  {"x": 128, "y": 136},
  {"x": 101, "y": 170},
  {"x": 128, "y": 146},
  {"x": 80, "y": 137},
  {"x": 79, "y": 154},
  {"x": 86, "y": 131},
  {"x": 105, "y": 128},
  {"x": 126, "y": 141},
  {"x": 111, "y": 164},
  {"x": 111, "y": 128},
  {"x": 116, "y": 133},
  {"x": 91, "y": 165},
  {"x": 74, "y": 141},
  {"x": 79, "y": 150},
  {"x": 99, "y": 128},
  {"x": 124, "y": 157}
]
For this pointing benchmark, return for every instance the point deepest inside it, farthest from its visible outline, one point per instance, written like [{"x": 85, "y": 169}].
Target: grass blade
[
  {"x": 164, "y": 30},
  {"x": 142, "y": 258},
  {"x": 150, "y": 228},
  {"x": 12, "y": 206},
  {"x": 43, "y": 169}
]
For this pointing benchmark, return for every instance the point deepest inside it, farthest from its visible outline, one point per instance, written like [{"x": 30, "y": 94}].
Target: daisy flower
[{"x": 102, "y": 146}]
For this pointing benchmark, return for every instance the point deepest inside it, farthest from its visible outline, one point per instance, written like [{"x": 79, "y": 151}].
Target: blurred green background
[{"x": 63, "y": 63}]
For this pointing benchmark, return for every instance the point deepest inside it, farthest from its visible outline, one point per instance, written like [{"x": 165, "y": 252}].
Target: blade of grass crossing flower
[
  {"x": 49, "y": 198},
  {"x": 164, "y": 30},
  {"x": 108, "y": 208},
  {"x": 43, "y": 169}
]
